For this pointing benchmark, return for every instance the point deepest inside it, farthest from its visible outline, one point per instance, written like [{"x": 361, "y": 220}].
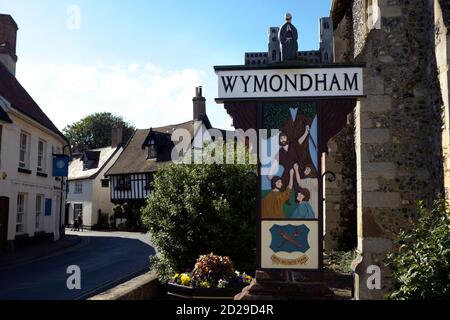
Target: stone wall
[
  {"x": 442, "y": 42},
  {"x": 343, "y": 39},
  {"x": 340, "y": 195},
  {"x": 398, "y": 128}
]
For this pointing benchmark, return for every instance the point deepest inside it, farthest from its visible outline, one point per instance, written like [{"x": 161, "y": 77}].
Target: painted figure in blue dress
[{"x": 304, "y": 209}]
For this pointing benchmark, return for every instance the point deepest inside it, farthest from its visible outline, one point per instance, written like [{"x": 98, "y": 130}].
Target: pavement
[
  {"x": 106, "y": 259},
  {"x": 36, "y": 251}
]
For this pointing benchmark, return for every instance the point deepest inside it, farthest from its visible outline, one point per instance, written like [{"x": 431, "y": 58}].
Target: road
[{"x": 105, "y": 260}]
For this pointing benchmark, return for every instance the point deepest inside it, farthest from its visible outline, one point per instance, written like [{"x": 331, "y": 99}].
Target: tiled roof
[
  {"x": 20, "y": 100},
  {"x": 102, "y": 156},
  {"x": 134, "y": 157}
]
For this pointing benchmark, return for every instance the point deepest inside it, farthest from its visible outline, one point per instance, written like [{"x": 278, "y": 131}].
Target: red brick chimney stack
[
  {"x": 117, "y": 136},
  {"x": 199, "y": 104}
]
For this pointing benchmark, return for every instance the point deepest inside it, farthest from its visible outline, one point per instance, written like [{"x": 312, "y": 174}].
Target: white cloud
[{"x": 143, "y": 94}]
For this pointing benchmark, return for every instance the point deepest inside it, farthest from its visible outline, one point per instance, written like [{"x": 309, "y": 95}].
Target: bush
[
  {"x": 420, "y": 265},
  {"x": 195, "y": 209}
]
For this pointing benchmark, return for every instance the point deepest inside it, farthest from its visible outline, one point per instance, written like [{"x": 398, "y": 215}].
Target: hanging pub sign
[
  {"x": 60, "y": 165},
  {"x": 253, "y": 83}
]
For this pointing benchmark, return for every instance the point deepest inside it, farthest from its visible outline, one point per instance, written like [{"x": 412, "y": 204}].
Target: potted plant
[{"x": 213, "y": 277}]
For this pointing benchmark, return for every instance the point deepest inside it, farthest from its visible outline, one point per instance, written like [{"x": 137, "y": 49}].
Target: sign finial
[{"x": 288, "y": 17}]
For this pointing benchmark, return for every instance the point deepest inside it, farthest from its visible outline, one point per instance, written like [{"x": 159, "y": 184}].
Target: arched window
[{"x": 274, "y": 55}]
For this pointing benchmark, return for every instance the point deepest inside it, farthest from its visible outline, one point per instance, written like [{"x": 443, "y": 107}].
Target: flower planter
[{"x": 180, "y": 292}]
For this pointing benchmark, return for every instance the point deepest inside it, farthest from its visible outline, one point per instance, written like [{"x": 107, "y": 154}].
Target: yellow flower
[
  {"x": 248, "y": 279},
  {"x": 185, "y": 279},
  {"x": 205, "y": 284}
]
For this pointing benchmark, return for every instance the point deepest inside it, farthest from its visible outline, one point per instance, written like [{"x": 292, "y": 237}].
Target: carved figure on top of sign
[{"x": 288, "y": 37}]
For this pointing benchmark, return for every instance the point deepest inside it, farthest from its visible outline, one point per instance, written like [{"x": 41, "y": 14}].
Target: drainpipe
[{"x": 62, "y": 228}]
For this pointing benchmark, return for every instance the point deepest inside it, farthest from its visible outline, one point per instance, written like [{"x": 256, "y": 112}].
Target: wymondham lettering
[{"x": 317, "y": 82}]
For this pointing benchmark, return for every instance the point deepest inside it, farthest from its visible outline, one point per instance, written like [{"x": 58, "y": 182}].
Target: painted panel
[{"x": 290, "y": 211}]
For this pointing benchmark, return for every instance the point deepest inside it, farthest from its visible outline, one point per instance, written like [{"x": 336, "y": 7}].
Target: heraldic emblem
[{"x": 290, "y": 238}]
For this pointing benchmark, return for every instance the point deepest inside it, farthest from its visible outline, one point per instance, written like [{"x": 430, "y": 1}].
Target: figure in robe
[
  {"x": 304, "y": 209},
  {"x": 297, "y": 128},
  {"x": 286, "y": 157},
  {"x": 272, "y": 204},
  {"x": 288, "y": 37}
]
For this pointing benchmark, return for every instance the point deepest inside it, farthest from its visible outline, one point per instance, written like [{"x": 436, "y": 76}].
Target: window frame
[
  {"x": 39, "y": 211},
  {"x": 77, "y": 210},
  {"x": 21, "y": 226},
  {"x": 78, "y": 189},
  {"x": 42, "y": 156},
  {"x": 24, "y": 150}
]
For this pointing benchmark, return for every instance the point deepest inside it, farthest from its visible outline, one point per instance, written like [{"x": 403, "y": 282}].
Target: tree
[
  {"x": 94, "y": 131},
  {"x": 199, "y": 209},
  {"x": 421, "y": 263}
]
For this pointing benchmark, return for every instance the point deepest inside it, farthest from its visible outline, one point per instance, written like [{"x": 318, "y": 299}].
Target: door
[
  {"x": 4, "y": 214},
  {"x": 66, "y": 215}
]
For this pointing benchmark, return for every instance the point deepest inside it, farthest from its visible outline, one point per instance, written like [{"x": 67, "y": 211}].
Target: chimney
[
  {"x": 8, "y": 37},
  {"x": 116, "y": 136},
  {"x": 199, "y": 105}
]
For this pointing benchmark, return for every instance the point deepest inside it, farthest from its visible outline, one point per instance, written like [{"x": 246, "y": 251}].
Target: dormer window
[{"x": 152, "y": 150}]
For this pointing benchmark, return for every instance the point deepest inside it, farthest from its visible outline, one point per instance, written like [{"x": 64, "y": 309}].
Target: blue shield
[{"x": 290, "y": 238}]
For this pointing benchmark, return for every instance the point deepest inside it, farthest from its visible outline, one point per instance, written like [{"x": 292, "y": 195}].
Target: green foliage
[
  {"x": 339, "y": 261},
  {"x": 276, "y": 115},
  {"x": 195, "y": 209},
  {"x": 94, "y": 131},
  {"x": 421, "y": 263}
]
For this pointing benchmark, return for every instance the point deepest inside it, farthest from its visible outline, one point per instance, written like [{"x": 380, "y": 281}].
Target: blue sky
[{"x": 143, "y": 58}]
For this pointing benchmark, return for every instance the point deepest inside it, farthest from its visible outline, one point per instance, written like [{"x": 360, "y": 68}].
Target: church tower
[
  {"x": 326, "y": 40},
  {"x": 274, "y": 45}
]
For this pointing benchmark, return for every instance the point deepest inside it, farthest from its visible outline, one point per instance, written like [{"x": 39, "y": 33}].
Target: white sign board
[{"x": 290, "y": 83}]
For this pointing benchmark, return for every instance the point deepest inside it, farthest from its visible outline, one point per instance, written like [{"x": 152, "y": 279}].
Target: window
[
  {"x": 21, "y": 213},
  {"x": 24, "y": 150},
  {"x": 123, "y": 183},
  {"x": 39, "y": 210},
  {"x": 78, "y": 187},
  {"x": 77, "y": 210},
  {"x": 274, "y": 55},
  {"x": 42, "y": 155},
  {"x": 105, "y": 183},
  {"x": 152, "y": 150}
]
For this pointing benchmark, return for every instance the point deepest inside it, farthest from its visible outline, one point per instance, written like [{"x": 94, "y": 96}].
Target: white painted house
[
  {"x": 89, "y": 194},
  {"x": 31, "y": 199}
]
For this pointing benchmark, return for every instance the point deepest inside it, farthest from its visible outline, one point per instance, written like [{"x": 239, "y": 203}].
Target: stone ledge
[{"x": 145, "y": 287}]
